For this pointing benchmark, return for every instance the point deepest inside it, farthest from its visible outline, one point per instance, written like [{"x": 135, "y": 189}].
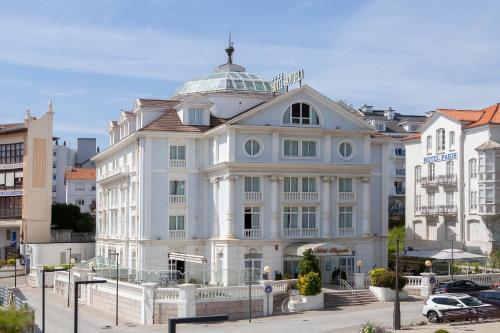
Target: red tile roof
[
  {"x": 474, "y": 118},
  {"x": 79, "y": 174},
  {"x": 414, "y": 136}
]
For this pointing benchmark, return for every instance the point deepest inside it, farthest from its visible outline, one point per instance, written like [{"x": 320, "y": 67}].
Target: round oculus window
[
  {"x": 346, "y": 150},
  {"x": 252, "y": 147}
]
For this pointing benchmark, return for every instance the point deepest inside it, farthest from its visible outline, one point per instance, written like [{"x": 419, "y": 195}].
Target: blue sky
[{"x": 93, "y": 58}]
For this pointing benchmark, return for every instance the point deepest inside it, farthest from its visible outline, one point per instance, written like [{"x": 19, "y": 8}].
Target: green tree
[
  {"x": 68, "y": 216},
  {"x": 309, "y": 263},
  {"x": 395, "y": 233},
  {"x": 15, "y": 321}
]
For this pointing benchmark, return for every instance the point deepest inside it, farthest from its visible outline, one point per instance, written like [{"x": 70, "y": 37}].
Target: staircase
[{"x": 343, "y": 298}]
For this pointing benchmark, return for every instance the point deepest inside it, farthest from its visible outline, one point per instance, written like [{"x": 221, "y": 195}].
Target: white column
[
  {"x": 366, "y": 206},
  {"x": 231, "y": 137},
  {"x": 327, "y": 148},
  {"x": 275, "y": 147},
  {"x": 230, "y": 209},
  {"x": 275, "y": 214},
  {"x": 325, "y": 208},
  {"x": 215, "y": 224}
]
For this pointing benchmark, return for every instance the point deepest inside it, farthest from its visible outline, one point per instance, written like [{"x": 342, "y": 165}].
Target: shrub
[
  {"x": 375, "y": 275},
  {"x": 371, "y": 328},
  {"x": 11, "y": 262},
  {"x": 308, "y": 263},
  {"x": 278, "y": 276},
  {"x": 287, "y": 276},
  {"x": 15, "y": 321},
  {"x": 441, "y": 330},
  {"x": 388, "y": 280},
  {"x": 309, "y": 284}
]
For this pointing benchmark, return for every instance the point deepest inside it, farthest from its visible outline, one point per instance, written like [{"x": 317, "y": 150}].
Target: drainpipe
[{"x": 461, "y": 190}]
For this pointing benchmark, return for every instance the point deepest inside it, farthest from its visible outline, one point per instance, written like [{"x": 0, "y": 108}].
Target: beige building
[{"x": 25, "y": 182}]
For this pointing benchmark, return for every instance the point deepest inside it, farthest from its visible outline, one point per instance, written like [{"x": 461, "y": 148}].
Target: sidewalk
[{"x": 483, "y": 327}]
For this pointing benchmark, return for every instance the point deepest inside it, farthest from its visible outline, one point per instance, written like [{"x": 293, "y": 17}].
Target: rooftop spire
[{"x": 230, "y": 50}]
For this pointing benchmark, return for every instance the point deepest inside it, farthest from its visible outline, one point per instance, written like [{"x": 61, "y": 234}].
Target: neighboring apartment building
[
  {"x": 397, "y": 126},
  {"x": 67, "y": 158},
  {"x": 227, "y": 166},
  {"x": 453, "y": 167},
  {"x": 80, "y": 188},
  {"x": 25, "y": 182}
]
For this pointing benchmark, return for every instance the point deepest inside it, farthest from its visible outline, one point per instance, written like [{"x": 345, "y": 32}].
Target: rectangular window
[
  {"x": 177, "y": 152},
  {"x": 196, "y": 116},
  {"x": 432, "y": 230},
  {"x": 309, "y": 148},
  {"x": 473, "y": 231},
  {"x": 429, "y": 144},
  {"x": 11, "y": 153},
  {"x": 418, "y": 202},
  {"x": 345, "y": 184},
  {"x": 308, "y": 217},
  {"x": 79, "y": 202},
  {"x": 291, "y": 148},
  {"x": 452, "y": 140},
  {"x": 176, "y": 222},
  {"x": 418, "y": 174},
  {"x": 473, "y": 168},
  {"x": 345, "y": 217},
  {"x": 431, "y": 200},
  {"x": 440, "y": 140},
  {"x": 79, "y": 187},
  {"x": 252, "y": 218},
  {"x": 177, "y": 187},
  {"x": 291, "y": 217},
  {"x": 418, "y": 230},
  {"x": 473, "y": 200},
  {"x": 252, "y": 184},
  {"x": 290, "y": 184},
  {"x": 309, "y": 184},
  {"x": 449, "y": 198}
]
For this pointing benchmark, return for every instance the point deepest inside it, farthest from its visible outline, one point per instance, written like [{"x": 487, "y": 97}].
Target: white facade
[
  {"x": 453, "y": 190},
  {"x": 81, "y": 193},
  {"x": 260, "y": 180},
  {"x": 64, "y": 158}
]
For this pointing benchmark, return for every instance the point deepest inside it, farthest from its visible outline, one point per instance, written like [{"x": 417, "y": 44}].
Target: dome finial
[{"x": 230, "y": 50}]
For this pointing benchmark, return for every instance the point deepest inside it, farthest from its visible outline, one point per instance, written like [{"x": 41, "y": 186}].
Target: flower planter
[
  {"x": 300, "y": 303},
  {"x": 387, "y": 294}
]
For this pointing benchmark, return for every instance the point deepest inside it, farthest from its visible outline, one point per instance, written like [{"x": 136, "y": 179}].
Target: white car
[{"x": 435, "y": 303}]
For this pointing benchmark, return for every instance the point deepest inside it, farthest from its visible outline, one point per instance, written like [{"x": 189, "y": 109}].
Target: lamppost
[
  {"x": 359, "y": 263},
  {"x": 69, "y": 275},
  {"x": 117, "y": 255},
  {"x": 428, "y": 263},
  {"x": 43, "y": 292},
  {"x": 78, "y": 283},
  {"x": 250, "y": 272},
  {"x": 397, "y": 310},
  {"x": 452, "y": 240}
]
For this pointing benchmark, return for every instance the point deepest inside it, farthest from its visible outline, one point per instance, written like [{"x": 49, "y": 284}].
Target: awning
[
  {"x": 319, "y": 249},
  {"x": 443, "y": 254},
  {"x": 187, "y": 257}
]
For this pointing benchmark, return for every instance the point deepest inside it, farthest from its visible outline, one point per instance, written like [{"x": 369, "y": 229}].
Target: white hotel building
[
  {"x": 452, "y": 170},
  {"x": 227, "y": 166}
]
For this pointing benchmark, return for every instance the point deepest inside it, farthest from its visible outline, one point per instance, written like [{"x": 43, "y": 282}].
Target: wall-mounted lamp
[{"x": 359, "y": 263}]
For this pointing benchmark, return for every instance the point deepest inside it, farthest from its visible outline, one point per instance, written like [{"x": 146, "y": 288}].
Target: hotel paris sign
[
  {"x": 282, "y": 81},
  {"x": 440, "y": 157}
]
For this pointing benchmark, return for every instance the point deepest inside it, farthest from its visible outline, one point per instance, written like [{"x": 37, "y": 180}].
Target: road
[{"x": 59, "y": 318}]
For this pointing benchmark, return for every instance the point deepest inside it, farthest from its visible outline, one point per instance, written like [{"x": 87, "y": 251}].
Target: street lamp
[
  {"x": 250, "y": 272},
  {"x": 359, "y": 263},
  {"x": 428, "y": 263},
  {"x": 77, "y": 283},
  {"x": 57, "y": 269},
  {"x": 117, "y": 255},
  {"x": 69, "y": 274},
  {"x": 452, "y": 240},
  {"x": 268, "y": 270},
  {"x": 397, "y": 310}
]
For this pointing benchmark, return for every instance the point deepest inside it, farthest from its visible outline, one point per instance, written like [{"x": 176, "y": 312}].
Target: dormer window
[
  {"x": 195, "y": 116},
  {"x": 380, "y": 126},
  {"x": 300, "y": 114}
]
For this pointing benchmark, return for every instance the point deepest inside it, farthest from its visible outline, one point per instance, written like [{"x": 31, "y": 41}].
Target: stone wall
[
  {"x": 164, "y": 311},
  {"x": 234, "y": 309},
  {"x": 104, "y": 297}
]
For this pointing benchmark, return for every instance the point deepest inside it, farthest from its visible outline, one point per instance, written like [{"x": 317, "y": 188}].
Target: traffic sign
[{"x": 268, "y": 289}]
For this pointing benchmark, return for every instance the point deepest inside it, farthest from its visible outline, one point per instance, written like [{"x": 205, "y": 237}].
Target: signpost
[{"x": 268, "y": 289}]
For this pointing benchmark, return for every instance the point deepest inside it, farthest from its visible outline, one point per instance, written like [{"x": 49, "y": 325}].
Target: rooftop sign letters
[
  {"x": 440, "y": 158},
  {"x": 282, "y": 81}
]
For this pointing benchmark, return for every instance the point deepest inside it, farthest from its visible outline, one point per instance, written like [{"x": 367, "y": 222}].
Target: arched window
[
  {"x": 418, "y": 173},
  {"x": 452, "y": 140},
  {"x": 440, "y": 140},
  {"x": 300, "y": 114},
  {"x": 429, "y": 144},
  {"x": 431, "y": 172},
  {"x": 473, "y": 168}
]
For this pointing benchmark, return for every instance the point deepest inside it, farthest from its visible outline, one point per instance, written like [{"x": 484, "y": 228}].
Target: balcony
[
  {"x": 291, "y": 196},
  {"x": 400, "y": 172},
  {"x": 177, "y": 199},
  {"x": 347, "y": 197},
  {"x": 177, "y": 164},
  {"x": 486, "y": 176},
  {"x": 113, "y": 175},
  {"x": 346, "y": 232},
  {"x": 301, "y": 232},
  {"x": 252, "y": 233},
  {"x": 310, "y": 196},
  {"x": 447, "y": 210},
  {"x": 253, "y": 196},
  {"x": 428, "y": 182},
  {"x": 11, "y": 213},
  {"x": 447, "y": 180},
  {"x": 489, "y": 209},
  {"x": 427, "y": 211},
  {"x": 177, "y": 234}
]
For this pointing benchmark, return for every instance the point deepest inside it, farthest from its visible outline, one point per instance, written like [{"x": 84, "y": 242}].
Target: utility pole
[
  {"x": 250, "y": 286},
  {"x": 117, "y": 279},
  {"x": 452, "y": 240},
  {"x": 69, "y": 275},
  {"x": 397, "y": 310}
]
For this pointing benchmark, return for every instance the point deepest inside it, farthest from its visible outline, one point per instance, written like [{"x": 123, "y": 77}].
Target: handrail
[{"x": 344, "y": 285}]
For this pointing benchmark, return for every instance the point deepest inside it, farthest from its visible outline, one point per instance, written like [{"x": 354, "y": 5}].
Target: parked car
[
  {"x": 458, "y": 286},
  {"x": 490, "y": 297},
  {"x": 434, "y": 304}
]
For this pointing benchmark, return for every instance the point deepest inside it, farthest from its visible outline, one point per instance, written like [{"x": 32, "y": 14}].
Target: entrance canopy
[
  {"x": 187, "y": 257},
  {"x": 444, "y": 254},
  {"x": 318, "y": 249}
]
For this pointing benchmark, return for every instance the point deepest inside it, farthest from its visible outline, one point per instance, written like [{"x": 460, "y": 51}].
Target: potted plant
[
  {"x": 310, "y": 296},
  {"x": 383, "y": 284}
]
